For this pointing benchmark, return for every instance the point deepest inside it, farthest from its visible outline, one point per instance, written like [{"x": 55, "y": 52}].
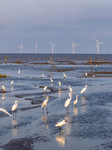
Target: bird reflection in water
[
  {"x": 45, "y": 119},
  {"x": 84, "y": 106},
  {"x": 68, "y": 125},
  {"x": 59, "y": 92},
  {"x": 61, "y": 139},
  {"x": 3, "y": 96},
  {"x": 14, "y": 128},
  {"x": 75, "y": 111}
]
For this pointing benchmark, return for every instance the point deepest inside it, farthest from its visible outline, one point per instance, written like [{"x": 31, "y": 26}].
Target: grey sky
[{"x": 56, "y": 21}]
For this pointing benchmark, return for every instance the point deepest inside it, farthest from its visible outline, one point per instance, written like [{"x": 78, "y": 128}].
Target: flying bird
[
  {"x": 60, "y": 124},
  {"x": 75, "y": 102},
  {"x": 15, "y": 106},
  {"x": 84, "y": 89}
]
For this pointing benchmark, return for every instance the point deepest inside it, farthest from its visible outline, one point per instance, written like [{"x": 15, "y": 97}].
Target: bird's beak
[
  {"x": 18, "y": 101},
  {"x": 48, "y": 97},
  {"x": 72, "y": 92}
]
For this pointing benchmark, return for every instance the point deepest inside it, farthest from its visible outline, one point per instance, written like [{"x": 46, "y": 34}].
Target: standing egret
[
  {"x": 59, "y": 83},
  {"x": 84, "y": 89},
  {"x": 12, "y": 82},
  {"x": 19, "y": 71},
  {"x": 45, "y": 88},
  {"x": 64, "y": 75},
  {"x": 75, "y": 102},
  {"x": 67, "y": 103},
  {"x": 70, "y": 88},
  {"x": 42, "y": 75},
  {"x": 3, "y": 88},
  {"x": 15, "y": 106},
  {"x": 45, "y": 103},
  {"x": 60, "y": 124},
  {"x": 51, "y": 79}
]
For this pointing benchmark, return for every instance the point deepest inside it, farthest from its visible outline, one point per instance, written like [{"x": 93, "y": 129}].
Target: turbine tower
[
  {"x": 21, "y": 47},
  {"x": 97, "y": 45},
  {"x": 73, "y": 45},
  {"x": 52, "y": 46},
  {"x": 36, "y": 47}
]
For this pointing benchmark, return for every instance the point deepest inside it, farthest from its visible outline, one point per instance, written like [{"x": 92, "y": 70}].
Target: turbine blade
[{"x": 96, "y": 40}]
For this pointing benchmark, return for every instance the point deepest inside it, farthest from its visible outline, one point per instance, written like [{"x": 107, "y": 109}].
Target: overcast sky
[{"x": 58, "y": 21}]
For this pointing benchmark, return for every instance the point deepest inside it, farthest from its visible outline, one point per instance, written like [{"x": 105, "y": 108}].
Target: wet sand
[{"x": 88, "y": 124}]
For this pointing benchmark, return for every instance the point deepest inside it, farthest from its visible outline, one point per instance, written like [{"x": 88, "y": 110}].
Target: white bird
[
  {"x": 51, "y": 79},
  {"x": 15, "y": 106},
  {"x": 45, "y": 102},
  {"x": 19, "y": 71},
  {"x": 84, "y": 89},
  {"x": 64, "y": 75},
  {"x": 70, "y": 88},
  {"x": 42, "y": 75},
  {"x": 12, "y": 82},
  {"x": 60, "y": 124},
  {"x": 45, "y": 88},
  {"x": 3, "y": 88},
  {"x": 5, "y": 111},
  {"x": 59, "y": 83},
  {"x": 67, "y": 103},
  {"x": 75, "y": 102}
]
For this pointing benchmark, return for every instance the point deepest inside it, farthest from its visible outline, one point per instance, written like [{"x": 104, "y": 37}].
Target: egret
[
  {"x": 75, "y": 102},
  {"x": 15, "y": 106},
  {"x": 19, "y": 71},
  {"x": 51, "y": 79},
  {"x": 60, "y": 124},
  {"x": 3, "y": 88},
  {"x": 70, "y": 88},
  {"x": 67, "y": 103},
  {"x": 59, "y": 83},
  {"x": 45, "y": 103},
  {"x": 12, "y": 82},
  {"x": 5, "y": 111},
  {"x": 42, "y": 75},
  {"x": 45, "y": 88},
  {"x": 84, "y": 89},
  {"x": 64, "y": 75}
]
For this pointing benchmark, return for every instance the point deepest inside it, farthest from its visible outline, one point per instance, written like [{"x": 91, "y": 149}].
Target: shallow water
[{"x": 88, "y": 124}]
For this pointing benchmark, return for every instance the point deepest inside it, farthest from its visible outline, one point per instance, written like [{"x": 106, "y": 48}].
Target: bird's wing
[
  {"x": 5, "y": 111},
  {"x": 44, "y": 103},
  {"x": 67, "y": 102},
  {"x": 82, "y": 90},
  {"x": 14, "y": 107}
]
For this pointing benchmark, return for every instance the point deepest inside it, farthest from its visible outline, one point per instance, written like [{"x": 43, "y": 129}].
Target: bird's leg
[
  {"x": 43, "y": 110},
  {"x": 46, "y": 109}
]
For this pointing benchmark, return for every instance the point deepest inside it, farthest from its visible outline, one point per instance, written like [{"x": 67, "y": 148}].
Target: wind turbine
[
  {"x": 21, "y": 47},
  {"x": 36, "y": 47},
  {"x": 73, "y": 45},
  {"x": 52, "y": 46},
  {"x": 97, "y": 45}
]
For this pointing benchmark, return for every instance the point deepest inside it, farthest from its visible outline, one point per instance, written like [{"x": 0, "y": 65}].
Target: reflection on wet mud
[
  {"x": 75, "y": 111},
  {"x": 45, "y": 119},
  {"x": 59, "y": 93},
  {"x": 84, "y": 106},
  {"x": 61, "y": 140},
  {"x": 11, "y": 87},
  {"x": 14, "y": 128},
  {"x": 3, "y": 96},
  {"x": 68, "y": 125}
]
